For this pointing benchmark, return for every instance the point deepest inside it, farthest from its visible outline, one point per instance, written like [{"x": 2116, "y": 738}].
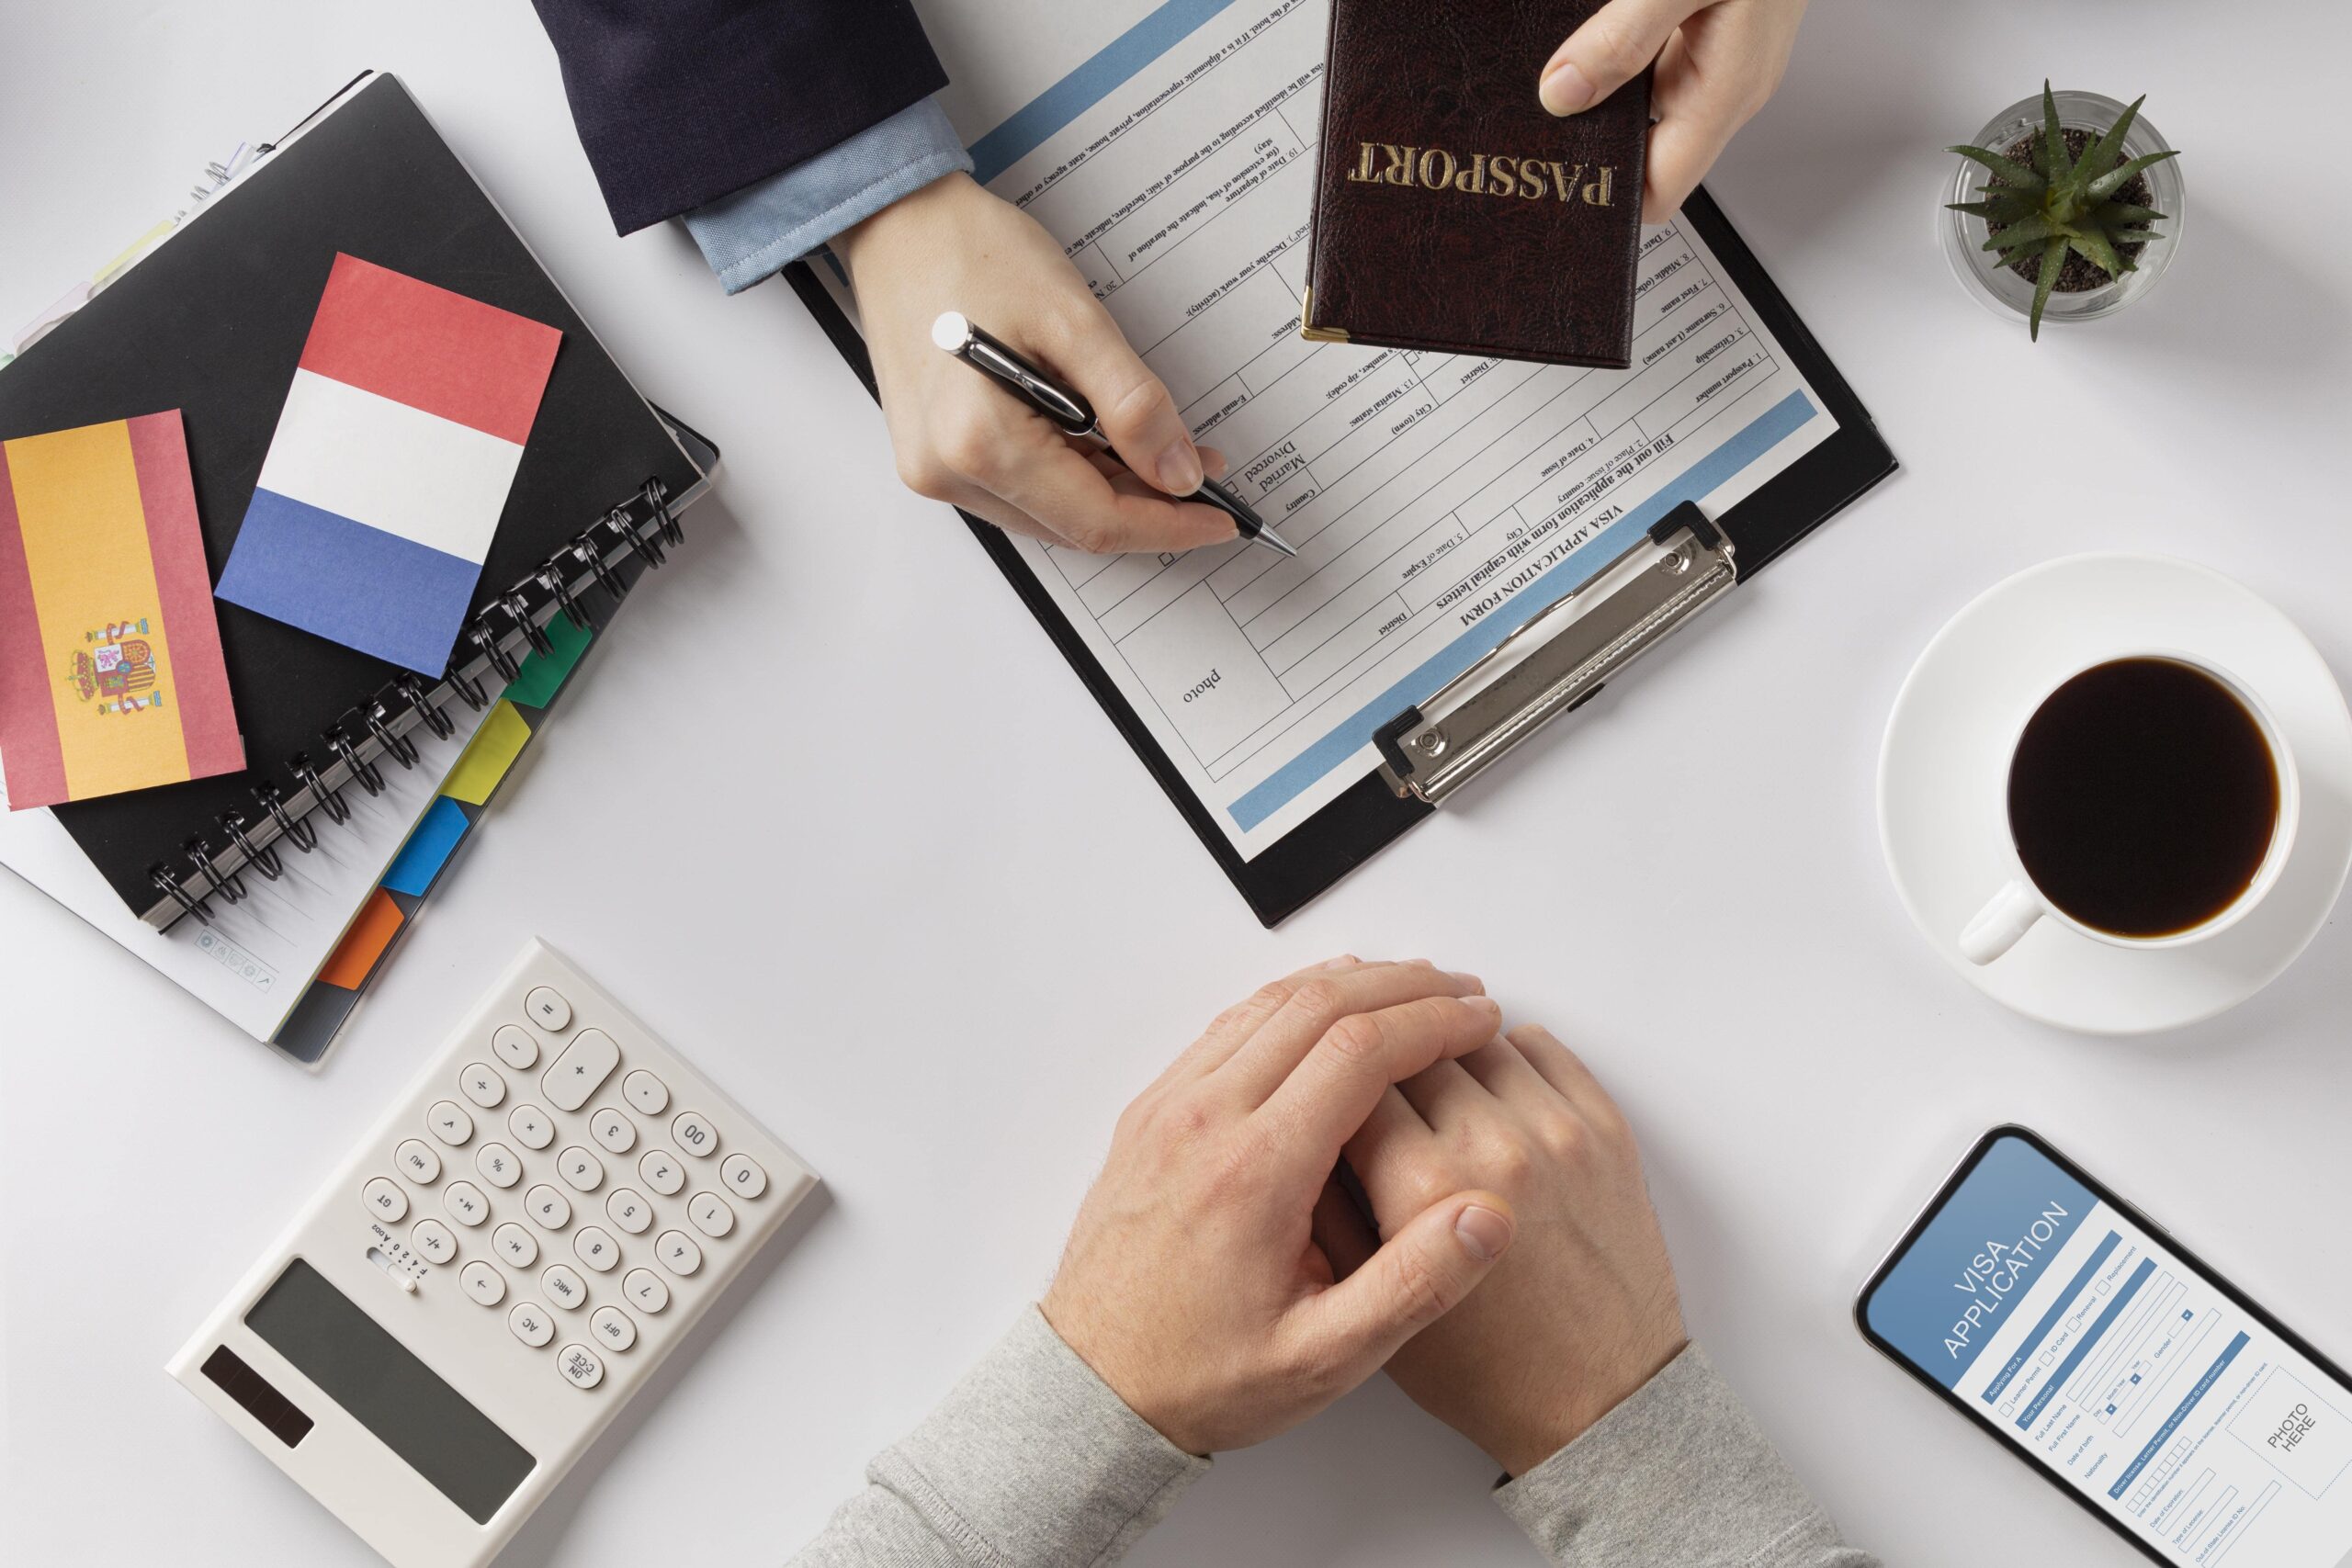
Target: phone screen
[{"x": 2175, "y": 1409}]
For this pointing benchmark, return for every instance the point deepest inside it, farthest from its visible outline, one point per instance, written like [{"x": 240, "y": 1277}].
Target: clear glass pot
[{"x": 2002, "y": 290}]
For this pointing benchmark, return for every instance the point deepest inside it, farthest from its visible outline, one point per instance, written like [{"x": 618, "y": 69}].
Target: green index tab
[{"x": 543, "y": 674}]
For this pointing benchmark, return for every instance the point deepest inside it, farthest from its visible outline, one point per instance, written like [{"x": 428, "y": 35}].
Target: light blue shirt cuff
[{"x": 753, "y": 233}]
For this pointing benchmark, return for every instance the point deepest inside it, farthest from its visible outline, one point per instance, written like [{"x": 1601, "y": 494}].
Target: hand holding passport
[
  {"x": 1488, "y": 84},
  {"x": 1717, "y": 63},
  {"x": 1458, "y": 213}
]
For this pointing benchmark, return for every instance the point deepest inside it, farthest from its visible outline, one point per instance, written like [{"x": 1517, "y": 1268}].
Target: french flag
[{"x": 391, "y": 466}]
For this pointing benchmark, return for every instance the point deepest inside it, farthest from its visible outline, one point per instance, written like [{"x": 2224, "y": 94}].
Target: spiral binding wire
[{"x": 384, "y": 723}]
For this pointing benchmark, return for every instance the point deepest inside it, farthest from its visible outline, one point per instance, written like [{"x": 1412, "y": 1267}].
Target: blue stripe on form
[{"x": 1088, "y": 85}]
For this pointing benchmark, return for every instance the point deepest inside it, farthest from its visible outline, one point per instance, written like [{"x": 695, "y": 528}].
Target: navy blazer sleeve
[{"x": 680, "y": 102}]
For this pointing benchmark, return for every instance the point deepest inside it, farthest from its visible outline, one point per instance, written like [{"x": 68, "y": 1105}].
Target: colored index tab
[
  {"x": 488, "y": 755},
  {"x": 111, "y": 677},
  {"x": 429, "y": 847}
]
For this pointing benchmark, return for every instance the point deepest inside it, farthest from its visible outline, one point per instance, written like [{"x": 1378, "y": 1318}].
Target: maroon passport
[{"x": 1451, "y": 211}]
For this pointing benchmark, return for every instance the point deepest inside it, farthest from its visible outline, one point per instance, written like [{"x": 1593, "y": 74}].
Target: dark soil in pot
[{"x": 2080, "y": 274}]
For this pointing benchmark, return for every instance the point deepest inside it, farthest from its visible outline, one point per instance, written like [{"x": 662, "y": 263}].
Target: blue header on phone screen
[{"x": 1961, "y": 1278}]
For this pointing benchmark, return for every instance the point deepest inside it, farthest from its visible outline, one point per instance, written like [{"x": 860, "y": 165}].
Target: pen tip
[{"x": 1266, "y": 535}]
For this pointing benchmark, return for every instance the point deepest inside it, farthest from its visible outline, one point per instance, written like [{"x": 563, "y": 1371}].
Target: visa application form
[{"x": 1438, "y": 502}]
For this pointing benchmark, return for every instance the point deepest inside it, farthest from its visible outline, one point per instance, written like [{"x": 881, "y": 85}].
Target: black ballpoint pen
[{"x": 955, "y": 333}]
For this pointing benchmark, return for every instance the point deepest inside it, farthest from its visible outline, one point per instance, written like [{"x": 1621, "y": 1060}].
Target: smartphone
[{"x": 2148, "y": 1388}]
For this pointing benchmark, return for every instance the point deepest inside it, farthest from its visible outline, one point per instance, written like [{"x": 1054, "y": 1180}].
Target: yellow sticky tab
[{"x": 488, "y": 754}]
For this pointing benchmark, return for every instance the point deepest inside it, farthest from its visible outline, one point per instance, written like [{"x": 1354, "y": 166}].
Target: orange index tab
[{"x": 371, "y": 931}]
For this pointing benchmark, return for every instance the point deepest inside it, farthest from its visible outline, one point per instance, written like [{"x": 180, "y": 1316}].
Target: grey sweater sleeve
[
  {"x": 1032, "y": 1462},
  {"x": 1679, "y": 1473}
]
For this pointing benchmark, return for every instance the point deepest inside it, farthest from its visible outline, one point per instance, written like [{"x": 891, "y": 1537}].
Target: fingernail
[
  {"x": 1340, "y": 962},
  {"x": 1180, "y": 468},
  {"x": 1482, "y": 1232},
  {"x": 1465, "y": 980},
  {"x": 1566, "y": 89},
  {"x": 1485, "y": 1005}
]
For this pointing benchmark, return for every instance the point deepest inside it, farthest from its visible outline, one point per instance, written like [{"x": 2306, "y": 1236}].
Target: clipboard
[{"x": 1553, "y": 664}]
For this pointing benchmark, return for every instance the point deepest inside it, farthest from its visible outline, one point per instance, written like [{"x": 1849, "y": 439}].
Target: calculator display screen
[{"x": 358, "y": 1364}]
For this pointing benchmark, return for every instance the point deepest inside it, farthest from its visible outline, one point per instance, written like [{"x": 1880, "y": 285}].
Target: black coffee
[{"x": 2142, "y": 798}]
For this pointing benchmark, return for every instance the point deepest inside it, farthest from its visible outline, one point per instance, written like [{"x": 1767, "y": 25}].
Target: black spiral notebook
[{"x": 212, "y": 323}]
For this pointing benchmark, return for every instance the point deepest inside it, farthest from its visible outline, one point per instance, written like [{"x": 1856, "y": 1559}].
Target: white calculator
[{"x": 498, "y": 1267}]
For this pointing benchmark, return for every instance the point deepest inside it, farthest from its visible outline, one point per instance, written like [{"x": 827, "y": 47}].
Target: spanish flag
[{"x": 111, "y": 669}]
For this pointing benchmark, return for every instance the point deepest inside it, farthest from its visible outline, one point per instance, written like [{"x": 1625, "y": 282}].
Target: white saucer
[{"x": 1942, "y": 773}]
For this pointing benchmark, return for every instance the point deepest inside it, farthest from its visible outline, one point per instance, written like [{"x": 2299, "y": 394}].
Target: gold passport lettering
[{"x": 1531, "y": 179}]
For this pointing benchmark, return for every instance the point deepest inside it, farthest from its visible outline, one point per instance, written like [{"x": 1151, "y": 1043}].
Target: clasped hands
[{"x": 1510, "y": 1276}]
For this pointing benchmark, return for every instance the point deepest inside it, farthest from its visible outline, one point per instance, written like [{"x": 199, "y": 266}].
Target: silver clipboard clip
[{"x": 1558, "y": 660}]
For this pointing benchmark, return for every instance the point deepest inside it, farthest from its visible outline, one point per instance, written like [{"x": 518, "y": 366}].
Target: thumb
[
  {"x": 1611, "y": 48},
  {"x": 1424, "y": 1271},
  {"x": 1133, "y": 405}
]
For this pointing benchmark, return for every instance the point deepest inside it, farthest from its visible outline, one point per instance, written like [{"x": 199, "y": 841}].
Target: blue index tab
[
  {"x": 2179, "y": 1414},
  {"x": 1950, "y": 1293},
  {"x": 2066, "y": 1369},
  {"x": 2032, "y": 1342},
  {"x": 428, "y": 848}
]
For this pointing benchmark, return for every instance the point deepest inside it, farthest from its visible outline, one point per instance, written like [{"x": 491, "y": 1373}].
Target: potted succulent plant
[{"x": 2079, "y": 213}]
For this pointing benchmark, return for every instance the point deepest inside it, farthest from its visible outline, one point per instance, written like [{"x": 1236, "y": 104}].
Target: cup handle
[{"x": 2009, "y": 915}]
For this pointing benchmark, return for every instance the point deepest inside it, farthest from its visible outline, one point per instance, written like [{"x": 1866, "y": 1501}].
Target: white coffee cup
[{"x": 2019, "y": 904}]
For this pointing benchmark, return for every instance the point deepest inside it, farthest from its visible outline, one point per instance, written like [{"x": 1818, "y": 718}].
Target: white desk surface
[{"x": 941, "y": 986}]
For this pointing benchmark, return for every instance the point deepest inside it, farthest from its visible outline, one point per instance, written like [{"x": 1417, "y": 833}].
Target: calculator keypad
[
  {"x": 482, "y": 1083},
  {"x": 466, "y": 1203},
  {"x": 645, "y": 1092},
  {"x": 483, "y": 1282},
  {"x": 629, "y": 1210},
  {"x": 531, "y": 1127},
  {"x": 579, "y": 1366},
  {"x": 432, "y": 1241},
  {"x": 548, "y": 1008},
  {"x": 515, "y": 1245},
  {"x": 710, "y": 1214},
  {"x": 551, "y": 1208},
  {"x": 449, "y": 1122},
  {"x": 565, "y": 1288},
  {"x": 678, "y": 1253},
  {"x": 531, "y": 1323},
  {"x": 594, "y": 1246},
  {"x": 613, "y": 1330},
  {"x": 661, "y": 1172},
  {"x": 383, "y": 1198},
  {"x": 625, "y": 1251},
  {"x": 613, "y": 1130},
  {"x": 582, "y": 1068},
  {"x": 499, "y": 1165},
  {"x": 695, "y": 1135},
  {"x": 583, "y": 1172},
  {"x": 514, "y": 1047},
  {"x": 645, "y": 1290}
]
